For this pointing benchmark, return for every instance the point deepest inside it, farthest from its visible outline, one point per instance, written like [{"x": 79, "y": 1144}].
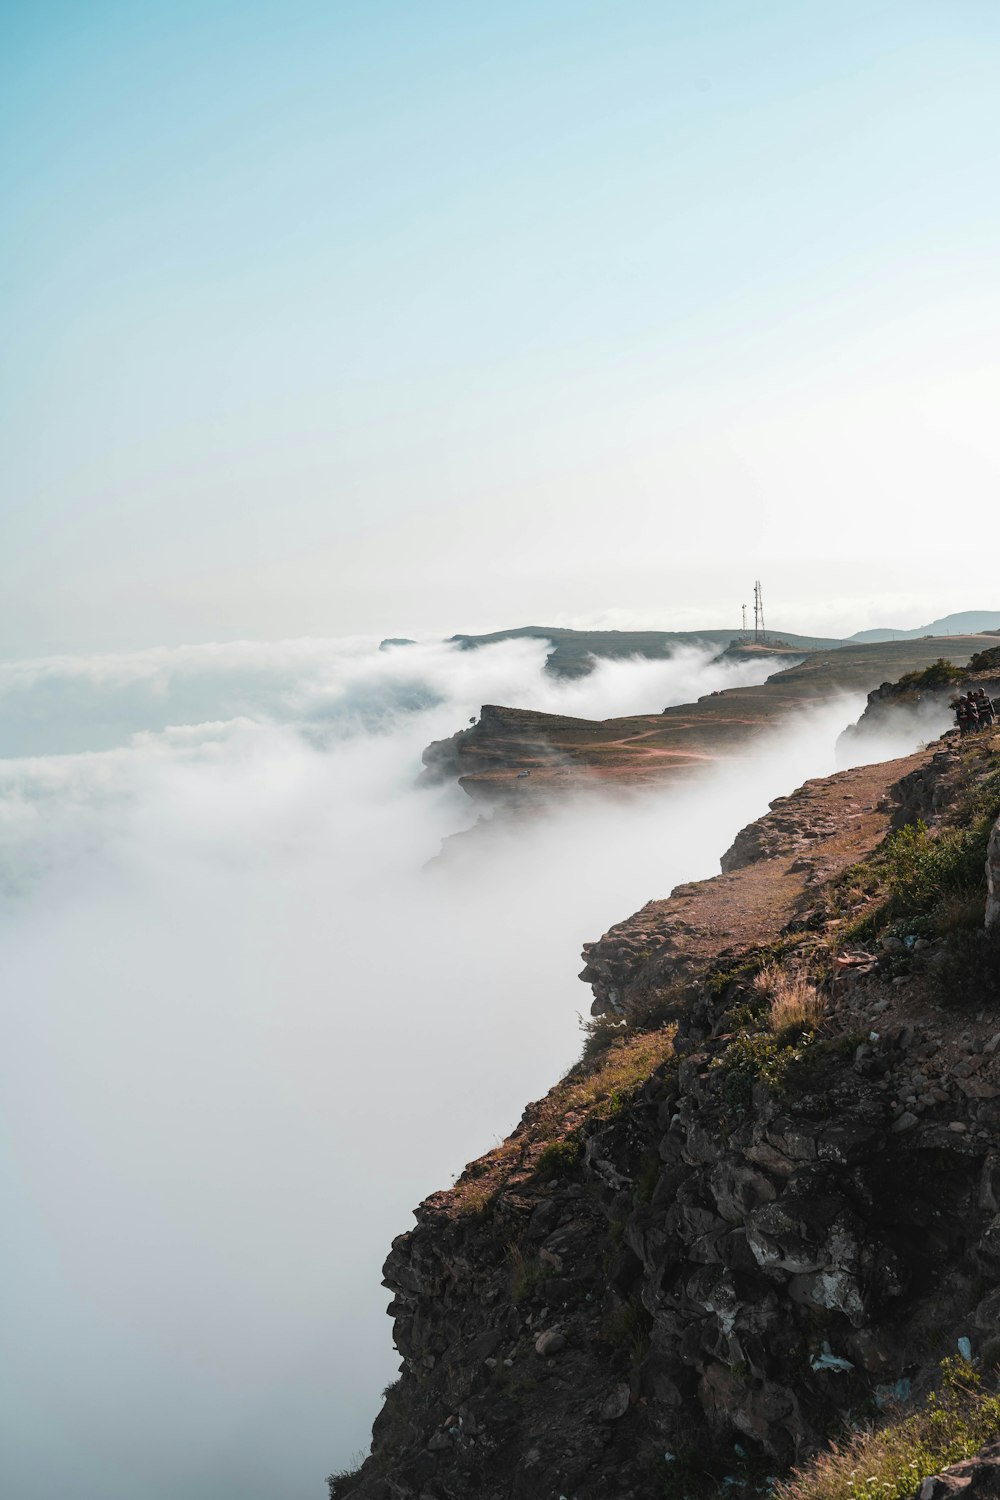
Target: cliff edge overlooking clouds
[
  {"x": 516, "y": 757},
  {"x": 766, "y": 1200}
]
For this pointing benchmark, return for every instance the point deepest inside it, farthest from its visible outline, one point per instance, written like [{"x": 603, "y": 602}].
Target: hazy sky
[{"x": 389, "y": 317}]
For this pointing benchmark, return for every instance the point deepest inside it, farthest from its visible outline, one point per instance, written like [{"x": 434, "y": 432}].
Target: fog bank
[{"x": 244, "y": 1032}]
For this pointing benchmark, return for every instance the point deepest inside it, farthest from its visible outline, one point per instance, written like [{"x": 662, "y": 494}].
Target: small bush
[
  {"x": 940, "y": 673},
  {"x": 526, "y": 1272},
  {"x": 601, "y": 1033},
  {"x": 747, "y": 1059},
  {"x": 559, "y": 1158},
  {"x": 341, "y": 1484},
  {"x": 794, "y": 1002},
  {"x": 921, "y": 870},
  {"x": 890, "y": 1462}
]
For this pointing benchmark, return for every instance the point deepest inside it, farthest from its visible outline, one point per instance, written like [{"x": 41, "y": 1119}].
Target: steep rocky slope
[
  {"x": 925, "y": 695},
  {"x": 766, "y": 1201}
]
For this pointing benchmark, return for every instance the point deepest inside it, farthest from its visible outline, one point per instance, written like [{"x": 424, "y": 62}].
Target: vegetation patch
[
  {"x": 595, "y": 1089},
  {"x": 794, "y": 1003},
  {"x": 890, "y": 1462},
  {"x": 940, "y": 674},
  {"x": 749, "y": 1059},
  {"x": 526, "y": 1272},
  {"x": 747, "y": 967},
  {"x": 921, "y": 868},
  {"x": 341, "y": 1483},
  {"x": 924, "y": 882},
  {"x": 776, "y": 1032},
  {"x": 560, "y": 1158}
]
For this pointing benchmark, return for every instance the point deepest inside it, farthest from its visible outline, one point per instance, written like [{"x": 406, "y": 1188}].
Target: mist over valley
[{"x": 246, "y": 1028}]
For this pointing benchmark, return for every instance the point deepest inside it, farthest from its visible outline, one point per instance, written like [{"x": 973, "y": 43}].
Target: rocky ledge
[{"x": 513, "y": 757}]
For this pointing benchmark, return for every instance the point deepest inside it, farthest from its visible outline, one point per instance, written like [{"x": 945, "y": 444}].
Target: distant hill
[
  {"x": 965, "y": 622},
  {"x": 573, "y": 649}
]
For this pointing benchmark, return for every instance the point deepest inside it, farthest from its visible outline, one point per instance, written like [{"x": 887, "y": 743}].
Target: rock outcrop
[{"x": 922, "y": 699}]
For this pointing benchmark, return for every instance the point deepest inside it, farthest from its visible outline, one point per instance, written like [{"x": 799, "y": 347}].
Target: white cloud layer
[{"x": 244, "y": 1031}]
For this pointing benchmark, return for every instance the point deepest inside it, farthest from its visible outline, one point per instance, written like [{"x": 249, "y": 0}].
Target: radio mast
[
  {"x": 745, "y": 636},
  {"x": 759, "y": 635}
]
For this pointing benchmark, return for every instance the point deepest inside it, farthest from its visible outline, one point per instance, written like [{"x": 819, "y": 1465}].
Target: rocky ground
[{"x": 762, "y": 1207}]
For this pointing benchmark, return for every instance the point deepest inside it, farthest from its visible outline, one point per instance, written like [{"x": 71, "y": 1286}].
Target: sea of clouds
[{"x": 246, "y": 1028}]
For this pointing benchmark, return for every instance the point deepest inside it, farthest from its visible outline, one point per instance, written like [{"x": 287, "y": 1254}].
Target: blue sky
[{"x": 334, "y": 318}]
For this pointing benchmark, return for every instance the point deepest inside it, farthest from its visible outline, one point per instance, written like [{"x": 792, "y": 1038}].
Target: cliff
[
  {"x": 925, "y": 694},
  {"x": 517, "y": 757},
  {"x": 764, "y": 1204}
]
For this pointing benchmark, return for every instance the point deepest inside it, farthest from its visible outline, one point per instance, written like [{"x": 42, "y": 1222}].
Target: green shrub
[
  {"x": 940, "y": 673},
  {"x": 890, "y": 1462},
  {"x": 559, "y": 1158},
  {"x": 921, "y": 870},
  {"x": 601, "y": 1033},
  {"x": 747, "y": 1059}
]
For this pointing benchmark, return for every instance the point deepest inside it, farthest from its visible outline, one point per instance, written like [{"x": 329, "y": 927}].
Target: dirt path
[{"x": 813, "y": 835}]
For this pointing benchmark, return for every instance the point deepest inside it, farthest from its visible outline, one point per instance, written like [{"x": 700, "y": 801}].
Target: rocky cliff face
[
  {"x": 769, "y": 1196},
  {"x": 924, "y": 697}
]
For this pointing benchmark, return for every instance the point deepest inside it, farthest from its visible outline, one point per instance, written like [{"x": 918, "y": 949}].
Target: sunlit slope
[{"x": 523, "y": 755}]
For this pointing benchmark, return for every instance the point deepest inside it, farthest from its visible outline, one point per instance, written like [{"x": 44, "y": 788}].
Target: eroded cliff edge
[
  {"x": 766, "y": 1199},
  {"x": 518, "y": 758}
]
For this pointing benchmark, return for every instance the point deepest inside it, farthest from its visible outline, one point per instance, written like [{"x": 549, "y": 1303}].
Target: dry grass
[
  {"x": 593, "y": 1090},
  {"x": 890, "y": 1463},
  {"x": 794, "y": 1002}
]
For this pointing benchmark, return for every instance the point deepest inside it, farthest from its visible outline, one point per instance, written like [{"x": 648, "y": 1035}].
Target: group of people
[{"x": 974, "y": 710}]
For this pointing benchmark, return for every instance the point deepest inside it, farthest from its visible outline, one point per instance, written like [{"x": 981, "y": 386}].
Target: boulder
[{"x": 550, "y": 1342}]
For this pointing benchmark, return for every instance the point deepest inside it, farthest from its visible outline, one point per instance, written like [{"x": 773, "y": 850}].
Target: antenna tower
[
  {"x": 745, "y": 636},
  {"x": 759, "y": 636}
]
